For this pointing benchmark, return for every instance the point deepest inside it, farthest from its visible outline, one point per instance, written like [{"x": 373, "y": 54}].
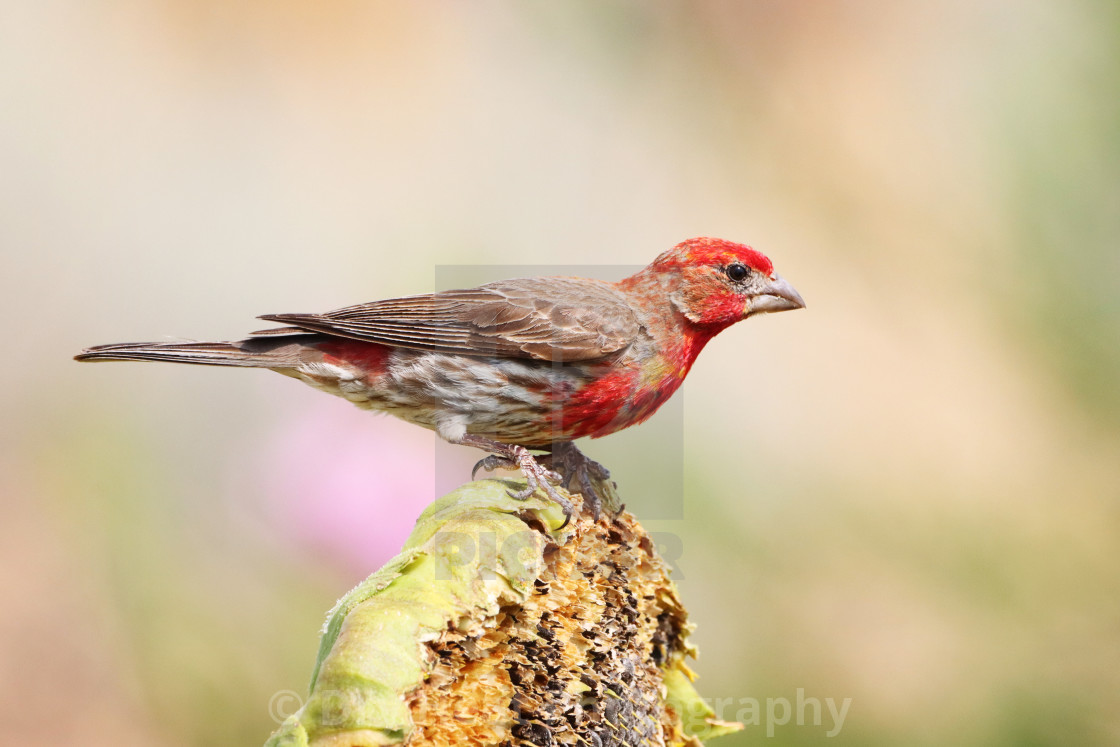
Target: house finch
[{"x": 532, "y": 363}]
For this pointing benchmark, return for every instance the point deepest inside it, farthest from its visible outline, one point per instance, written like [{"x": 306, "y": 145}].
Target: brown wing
[{"x": 556, "y": 319}]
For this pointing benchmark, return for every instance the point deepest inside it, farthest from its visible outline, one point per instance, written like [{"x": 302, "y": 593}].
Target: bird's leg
[
  {"x": 518, "y": 457},
  {"x": 578, "y": 470}
]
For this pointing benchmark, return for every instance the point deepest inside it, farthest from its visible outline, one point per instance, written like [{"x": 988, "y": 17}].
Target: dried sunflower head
[{"x": 492, "y": 627}]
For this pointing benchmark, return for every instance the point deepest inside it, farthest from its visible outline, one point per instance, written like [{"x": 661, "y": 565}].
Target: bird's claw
[
  {"x": 539, "y": 478},
  {"x": 492, "y": 462},
  {"x": 580, "y": 473}
]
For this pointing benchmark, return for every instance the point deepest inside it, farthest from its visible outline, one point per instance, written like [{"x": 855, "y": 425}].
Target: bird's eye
[{"x": 737, "y": 272}]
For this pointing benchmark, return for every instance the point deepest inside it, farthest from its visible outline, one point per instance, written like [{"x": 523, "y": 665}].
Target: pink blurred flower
[{"x": 349, "y": 484}]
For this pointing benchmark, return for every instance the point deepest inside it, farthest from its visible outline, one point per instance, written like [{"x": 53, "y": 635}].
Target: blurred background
[{"x": 907, "y": 494}]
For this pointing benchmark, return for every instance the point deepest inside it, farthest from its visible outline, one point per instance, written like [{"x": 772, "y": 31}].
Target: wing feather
[{"x": 557, "y": 319}]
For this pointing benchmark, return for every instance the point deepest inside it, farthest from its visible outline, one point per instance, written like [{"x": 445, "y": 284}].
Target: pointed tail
[{"x": 277, "y": 352}]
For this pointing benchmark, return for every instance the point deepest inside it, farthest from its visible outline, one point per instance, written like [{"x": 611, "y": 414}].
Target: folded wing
[{"x": 556, "y": 319}]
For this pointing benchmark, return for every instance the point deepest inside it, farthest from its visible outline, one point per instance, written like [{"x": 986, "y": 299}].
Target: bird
[{"x": 514, "y": 366}]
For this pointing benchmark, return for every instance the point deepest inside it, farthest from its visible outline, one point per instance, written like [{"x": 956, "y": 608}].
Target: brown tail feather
[{"x": 259, "y": 353}]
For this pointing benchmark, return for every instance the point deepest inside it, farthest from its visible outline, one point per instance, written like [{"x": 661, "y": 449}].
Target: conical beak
[{"x": 776, "y": 295}]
